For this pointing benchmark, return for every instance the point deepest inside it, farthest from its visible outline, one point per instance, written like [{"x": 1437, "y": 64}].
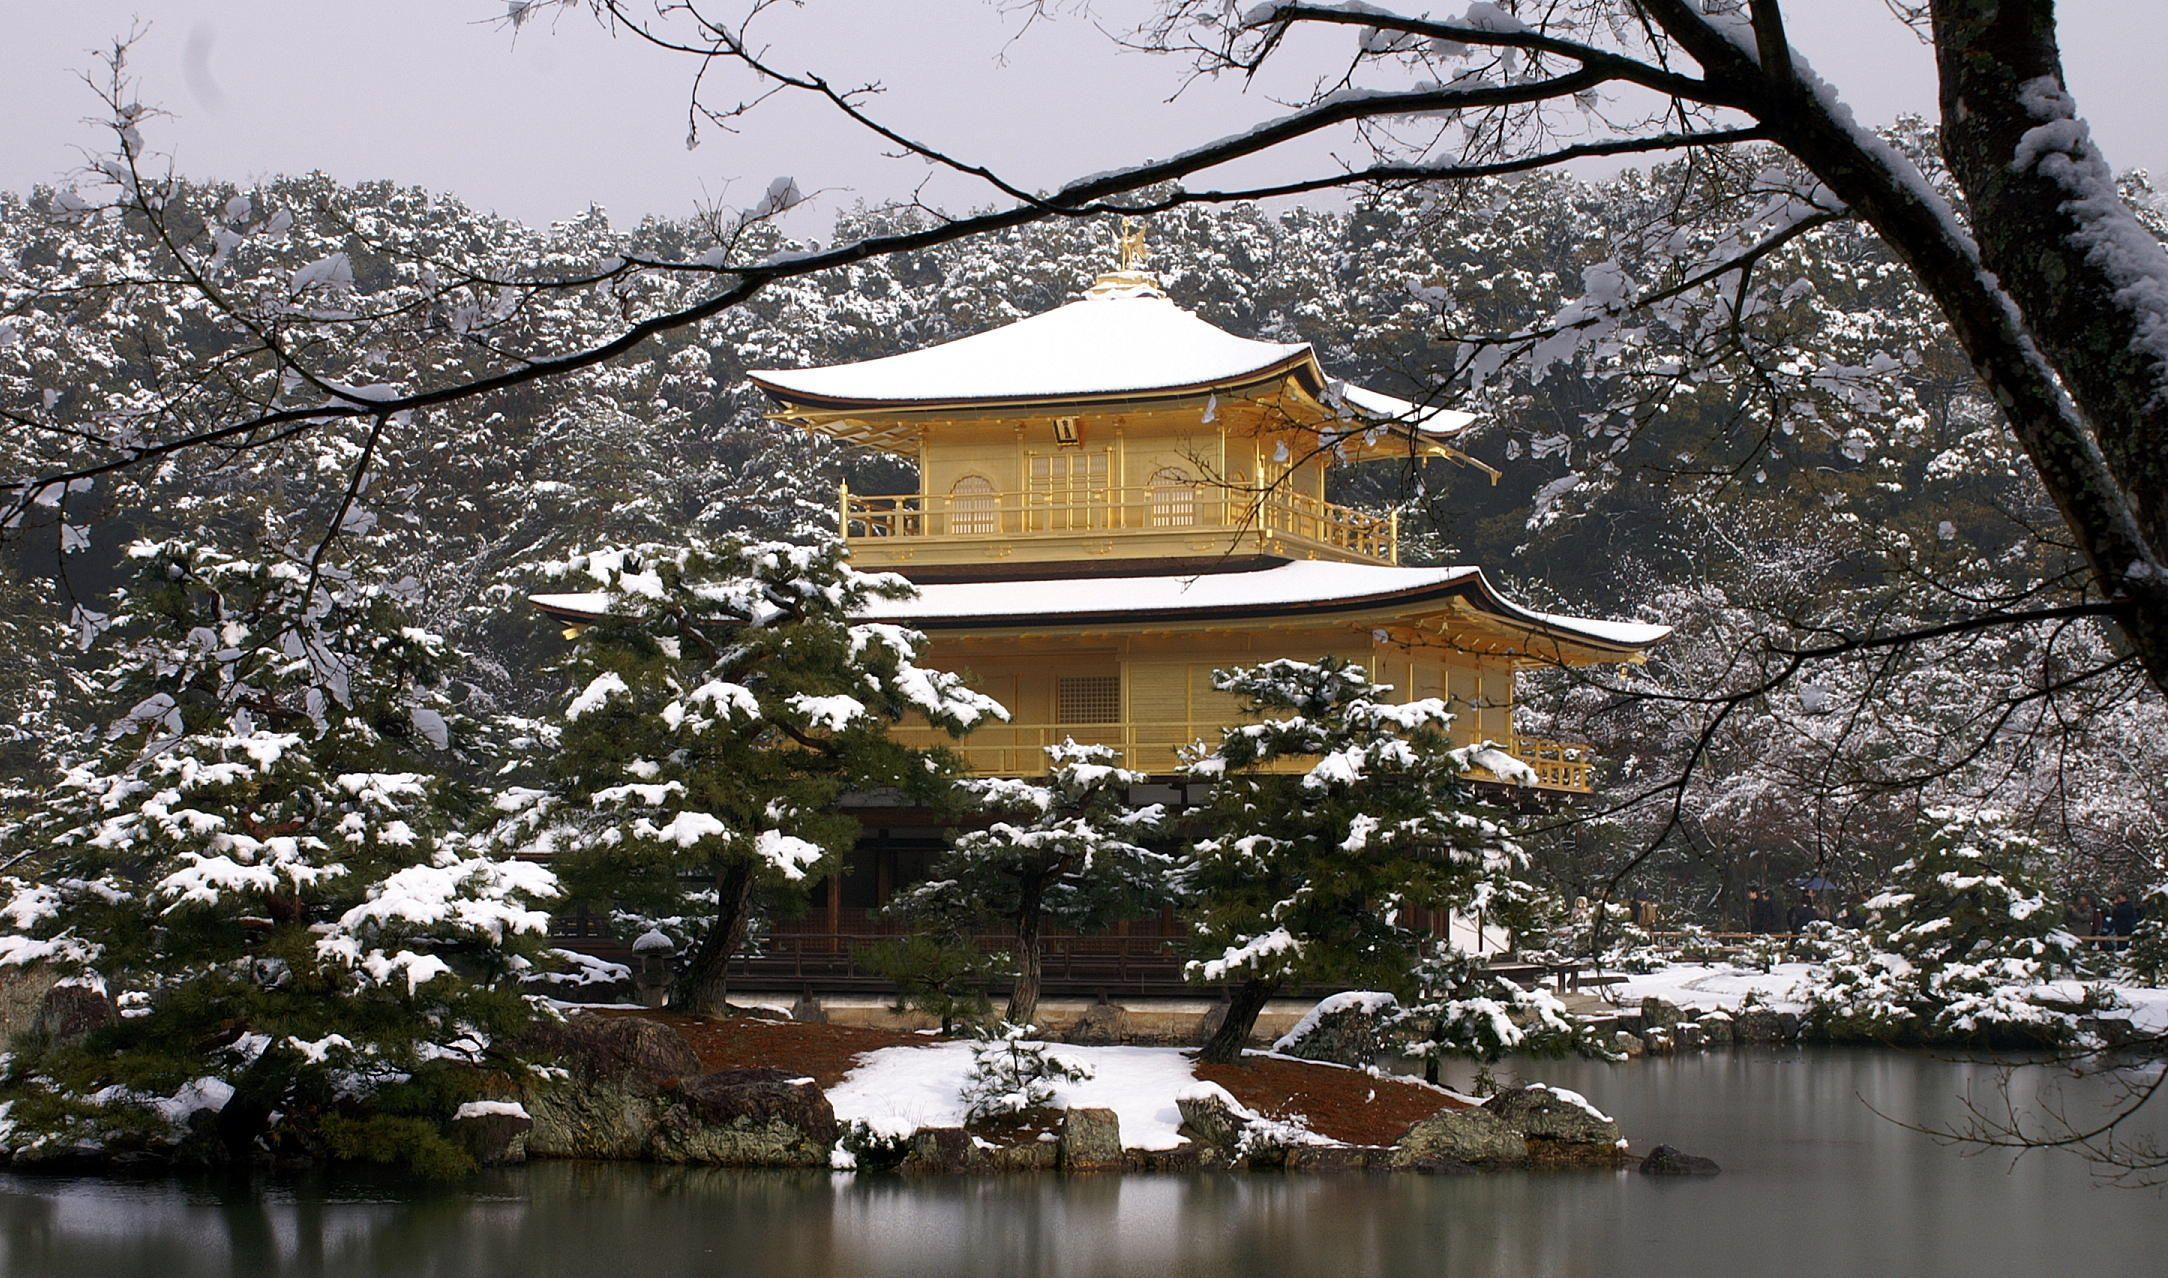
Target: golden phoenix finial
[{"x": 1129, "y": 248}]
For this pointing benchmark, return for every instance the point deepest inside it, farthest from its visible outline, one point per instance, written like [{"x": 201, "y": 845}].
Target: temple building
[{"x": 1115, "y": 498}]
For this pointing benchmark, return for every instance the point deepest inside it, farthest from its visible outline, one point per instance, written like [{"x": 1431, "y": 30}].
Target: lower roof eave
[{"x": 1261, "y": 596}]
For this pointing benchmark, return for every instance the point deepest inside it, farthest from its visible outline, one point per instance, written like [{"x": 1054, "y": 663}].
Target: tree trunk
[
  {"x": 259, "y": 1093},
  {"x": 1243, "y": 1008},
  {"x": 1024, "y": 998},
  {"x": 703, "y": 982},
  {"x": 2079, "y": 268},
  {"x": 2090, "y": 438}
]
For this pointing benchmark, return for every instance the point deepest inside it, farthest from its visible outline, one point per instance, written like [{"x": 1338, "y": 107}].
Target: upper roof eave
[{"x": 1303, "y": 366}]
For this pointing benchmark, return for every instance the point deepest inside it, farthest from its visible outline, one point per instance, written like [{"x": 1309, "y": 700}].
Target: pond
[{"x": 1813, "y": 1183}]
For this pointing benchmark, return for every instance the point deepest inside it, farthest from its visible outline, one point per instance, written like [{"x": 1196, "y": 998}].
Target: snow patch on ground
[
  {"x": 1724, "y": 987},
  {"x": 1717, "y": 986},
  {"x": 900, "y": 1088}
]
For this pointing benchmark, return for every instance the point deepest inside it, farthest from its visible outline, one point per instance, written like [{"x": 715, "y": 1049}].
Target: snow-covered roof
[
  {"x": 1117, "y": 342},
  {"x": 1299, "y": 583},
  {"x": 1300, "y": 586}
]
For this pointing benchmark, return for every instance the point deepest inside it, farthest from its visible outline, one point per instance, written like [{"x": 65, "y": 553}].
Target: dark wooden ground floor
[{"x": 822, "y": 948}]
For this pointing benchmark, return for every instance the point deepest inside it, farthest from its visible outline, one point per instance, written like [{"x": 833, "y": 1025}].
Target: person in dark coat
[
  {"x": 1761, "y": 911},
  {"x": 1802, "y": 914},
  {"x": 2122, "y": 917}
]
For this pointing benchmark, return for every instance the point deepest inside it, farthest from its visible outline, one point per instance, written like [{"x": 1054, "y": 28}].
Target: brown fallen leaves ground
[{"x": 1340, "y": 1104}]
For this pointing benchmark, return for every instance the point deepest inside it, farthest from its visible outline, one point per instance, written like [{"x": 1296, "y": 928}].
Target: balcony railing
[
  {"x": 1559, "y": 765},
  {"x": 1019, "y": 749},
  {"x": 1160, "y": 508}
]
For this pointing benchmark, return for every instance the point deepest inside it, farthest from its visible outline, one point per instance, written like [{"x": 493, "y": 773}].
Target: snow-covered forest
[
  {"x": 479, "y": 692},
  {"x": 1842, "y": 468},
  {"x": 288, "y": 459}
]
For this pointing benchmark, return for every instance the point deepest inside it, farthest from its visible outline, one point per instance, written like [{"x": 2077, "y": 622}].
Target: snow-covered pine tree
[
  {"x": 2146, "y": 959},
  {"x": 1461, "y": 1009},
  {"x": 726, "y": 701},
  {"x": 1014, "y": 1073},
  {"x": 256, "y": 894},
  {"x": 1956, "y": 947},
  {"x": 1456, "y": 1007},
  {"x": 1334, "y": 819},
  {"x": 1073, "y": 860}
]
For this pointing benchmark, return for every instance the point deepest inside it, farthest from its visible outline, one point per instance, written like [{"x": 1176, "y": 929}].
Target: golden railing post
[
  {"x": 843, "y": 509},
  {"x": 1392, "y": 536}
]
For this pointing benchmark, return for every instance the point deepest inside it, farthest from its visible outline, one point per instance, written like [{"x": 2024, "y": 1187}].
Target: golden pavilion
[
  {"x": 1114, "y": 499},
  {"x": 1117, "y": 497}
]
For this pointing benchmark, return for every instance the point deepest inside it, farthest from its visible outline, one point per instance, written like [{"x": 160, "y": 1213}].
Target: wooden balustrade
[
  {"x": 1280, "y": 512},
  {"x": 1559, "y": 765}
]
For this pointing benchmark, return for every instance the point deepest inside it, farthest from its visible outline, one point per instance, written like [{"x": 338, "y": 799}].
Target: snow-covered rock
[{"x": 1345, "y": 1029}]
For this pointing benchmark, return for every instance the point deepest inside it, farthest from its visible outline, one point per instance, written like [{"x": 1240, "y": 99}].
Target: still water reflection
[{"x": 1813, "y": 1183}]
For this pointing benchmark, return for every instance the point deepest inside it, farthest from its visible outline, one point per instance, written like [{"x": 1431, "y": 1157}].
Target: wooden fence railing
[{"x": 1283, "y": 512}]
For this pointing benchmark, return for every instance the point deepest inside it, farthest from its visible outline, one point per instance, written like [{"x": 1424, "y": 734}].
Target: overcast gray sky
[{"x": 438, "y": 94}]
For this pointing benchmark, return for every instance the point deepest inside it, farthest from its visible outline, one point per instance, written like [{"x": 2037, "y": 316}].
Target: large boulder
[
  {"x": 493, "y": 1132},
  {"x": 1658, "y": 1013},
  {"x": 744, "y": 1118},
  {"x": 71, "y": 1011},
  {"x": 1183, "y": 1158},
  {"x": 607, "y": 1076},
  {"x": 1209, "y": 1119},
  {"x": 1562, "y": 1129},
  {"x": 626, "y": 1050},
  {"x": 941, "y": 1151},
  {"x": 1339, "y": 1158},
  {"x": 1460, "y": 1140},
  {"x": 1689, "y": 1036},
  {"x": 22, "y": 992},
  {"x": 1209, "y": 1024},
  {"x": 1667, "y": 1161},
  {"x": 1345, "y": 1029},
  {"x": 1091, "y": 1140},
  {"x": 1764, "y": 1025},
  {"x": 1028, "y": 1156},
  {"x": 1628, "y": 1044},
  {"x": 1717, "y": 1028},
  {"x": 1102, "y": 1025}
]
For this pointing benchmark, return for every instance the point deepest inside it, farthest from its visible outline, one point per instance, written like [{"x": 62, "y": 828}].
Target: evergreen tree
[
  {"x": 1957, "y": 946},
  {"x": 1335, "y": 818},
  {"x": 2146, "y": 958},
  {"x": 1456, "y": 1007},
  {"x": 1462, "y": 1009},
  {"x": 941, "y": 972},
  {"x": 263, "y": 871},
  {"x": 727, "y": 702},
  {"x": 1073, "y": 861}
]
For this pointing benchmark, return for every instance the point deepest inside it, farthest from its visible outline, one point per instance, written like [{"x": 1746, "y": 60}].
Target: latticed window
[
  {"x": 1088, "y": 699},
  {"x": 971, "y": 507},
  {"x": 1173, "y": 497},
  {"x": 1069, "y": 490}
]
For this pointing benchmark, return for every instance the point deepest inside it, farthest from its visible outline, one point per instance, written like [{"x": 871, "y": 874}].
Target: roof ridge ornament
[{"x": 1128, "y": 278}]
